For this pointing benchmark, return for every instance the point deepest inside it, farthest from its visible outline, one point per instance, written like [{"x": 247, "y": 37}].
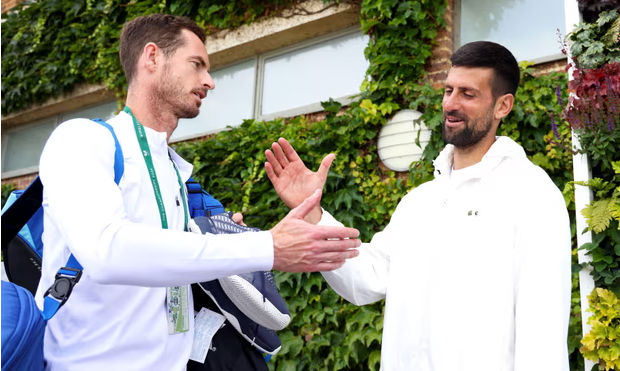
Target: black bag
[{"x": 229, "y": 351}]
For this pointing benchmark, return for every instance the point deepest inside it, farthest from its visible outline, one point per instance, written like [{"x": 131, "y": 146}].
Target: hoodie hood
[{"x": 503, "y": 148}]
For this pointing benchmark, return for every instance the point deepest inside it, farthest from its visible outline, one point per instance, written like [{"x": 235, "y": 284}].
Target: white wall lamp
[{"x": 396, "y": 144}]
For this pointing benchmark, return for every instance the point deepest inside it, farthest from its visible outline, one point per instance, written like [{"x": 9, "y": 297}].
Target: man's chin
[
  {"x": 451, "y": 134},
  {"x": 189, "y": 114}
]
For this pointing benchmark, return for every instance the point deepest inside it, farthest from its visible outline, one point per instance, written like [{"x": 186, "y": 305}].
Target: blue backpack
[{"x": 23, "y": 324}]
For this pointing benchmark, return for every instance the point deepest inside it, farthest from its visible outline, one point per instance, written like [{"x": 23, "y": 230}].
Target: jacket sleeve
[
  {"x": 542, "y": 284},
  {"x": 85, "y": 215},
  {"x": 362, "y": 280}
]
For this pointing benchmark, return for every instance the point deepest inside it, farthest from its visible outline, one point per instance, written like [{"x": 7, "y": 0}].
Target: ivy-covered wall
[
  {"x": 39, "y": 44},
  {"x": 48, "y": 47}
]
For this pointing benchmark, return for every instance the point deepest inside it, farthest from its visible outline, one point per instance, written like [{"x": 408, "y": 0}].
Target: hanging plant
[{"x": 593, "y": 112}]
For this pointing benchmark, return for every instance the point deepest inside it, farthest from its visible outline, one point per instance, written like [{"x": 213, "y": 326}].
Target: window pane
[
  {"x": 23, "y": 147},
  {"x": 528, "y": 28},
  {"x": 331, "y": 69},
  {"x": 102, "y": 111},
  {"x": 231, "y": 102}
]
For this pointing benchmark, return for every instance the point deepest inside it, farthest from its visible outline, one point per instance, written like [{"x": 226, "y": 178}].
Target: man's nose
[
  {"x": 207, "y": 81},
  {"x": 450, "y": 102}
]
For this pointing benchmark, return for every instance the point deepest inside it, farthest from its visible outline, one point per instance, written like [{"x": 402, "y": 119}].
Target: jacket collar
[
  {"x": 502, "y": 148},
  {"x": 185, "y": 168}
]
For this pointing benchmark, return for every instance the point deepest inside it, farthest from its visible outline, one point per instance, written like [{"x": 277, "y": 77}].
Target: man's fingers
[
  {"x": 290, "y": 152},
  {"x": 336, "y": 233},
  {"x": 279, "y": 154},
  {"x": 270, "y": 173},
  {"x": 273, "y": 162},
  {"x": 339, "y": 255},
  {"x": 331, "y": 264},
  {"x": 327, "y": 266},
  {"x": 238, "y": 218},
  {"x": 345, "y": 246}
]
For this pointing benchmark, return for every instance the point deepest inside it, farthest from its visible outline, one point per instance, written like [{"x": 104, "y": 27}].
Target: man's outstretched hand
[
  {"x": 303, "y": 247},
  {"x": 292, "y": 180}
]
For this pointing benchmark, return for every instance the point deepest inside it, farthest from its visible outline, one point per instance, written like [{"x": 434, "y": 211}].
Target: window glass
[
  {"x": 231, "y": 102},
  {"x": 102, "y": 111},
  {"x": 23, "y": 146},
  {"x": 528, "y": 28},
  {"x": 331, "y": 69}
]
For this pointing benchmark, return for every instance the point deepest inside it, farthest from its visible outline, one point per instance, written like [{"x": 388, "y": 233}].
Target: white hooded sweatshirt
[{"x": 475, "y": 269}]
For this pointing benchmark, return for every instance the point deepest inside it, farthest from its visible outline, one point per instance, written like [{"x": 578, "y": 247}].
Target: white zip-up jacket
[{"x": 475, "y": 269}]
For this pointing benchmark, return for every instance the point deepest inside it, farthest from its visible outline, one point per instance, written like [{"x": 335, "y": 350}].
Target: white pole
[{"x": 583, "y": 196}]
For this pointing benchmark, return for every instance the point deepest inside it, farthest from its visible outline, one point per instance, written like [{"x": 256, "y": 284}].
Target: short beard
[
  {"x": 469, "y": 135},
  {"x": 170, "y": 95}
]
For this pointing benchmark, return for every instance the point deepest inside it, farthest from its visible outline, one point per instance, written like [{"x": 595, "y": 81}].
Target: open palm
[{"x": 290, "y": 177}]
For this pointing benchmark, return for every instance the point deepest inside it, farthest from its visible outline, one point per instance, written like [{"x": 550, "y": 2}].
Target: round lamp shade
[{"x": 396, "y": 145}]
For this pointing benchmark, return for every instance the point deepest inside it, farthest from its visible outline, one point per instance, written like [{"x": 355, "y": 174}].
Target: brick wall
[
  {"x": 20, "y": 182},
  {"x": 555, "y": 66},
  {"x": 440, "y": 61},
  {"x": 8, "y": 4}
]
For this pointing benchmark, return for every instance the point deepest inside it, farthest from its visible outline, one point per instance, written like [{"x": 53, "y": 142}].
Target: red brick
[{"x": 20, "y": 182}]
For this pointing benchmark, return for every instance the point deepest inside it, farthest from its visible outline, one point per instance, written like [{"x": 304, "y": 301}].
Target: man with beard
[
  {"x": 474, "y": 266},
  {"x": 132, "y": 239}
]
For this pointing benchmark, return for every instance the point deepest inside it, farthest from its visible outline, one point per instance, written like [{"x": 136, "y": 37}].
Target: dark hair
[
  {"x": 161, "y": 29},
  {"x": 491, "y": 55}
]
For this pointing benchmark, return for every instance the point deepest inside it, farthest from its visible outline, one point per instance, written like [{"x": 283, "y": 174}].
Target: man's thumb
[
  {"x": 309, "y": 203},
  {"x": 325, "y": 164}
]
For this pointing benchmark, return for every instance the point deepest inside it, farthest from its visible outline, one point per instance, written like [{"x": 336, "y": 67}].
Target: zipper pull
[{"x": 177, "y": 200}]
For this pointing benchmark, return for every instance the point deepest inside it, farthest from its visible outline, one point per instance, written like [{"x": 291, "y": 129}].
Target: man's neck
[
  {"x": 151, "y": 114},
  {"x": 468, "y": 156}
]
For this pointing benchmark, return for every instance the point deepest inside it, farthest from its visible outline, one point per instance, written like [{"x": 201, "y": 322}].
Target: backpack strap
[
  {"x": 119, "y": 163},
  {"x": 17, "y": 215},
  {"x": 67, "y": 276}
]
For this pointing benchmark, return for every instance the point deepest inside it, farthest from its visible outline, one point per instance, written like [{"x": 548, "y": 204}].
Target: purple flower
[
  {"x": 558, "y": 94},
  {"x": 554, "y": 127}
]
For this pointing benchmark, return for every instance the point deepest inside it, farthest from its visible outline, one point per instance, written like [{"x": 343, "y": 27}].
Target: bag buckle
[{"x": 63, "y": 284}]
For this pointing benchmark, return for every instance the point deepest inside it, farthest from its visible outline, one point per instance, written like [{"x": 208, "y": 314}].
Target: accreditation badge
[{"x": 177, "y": 303}]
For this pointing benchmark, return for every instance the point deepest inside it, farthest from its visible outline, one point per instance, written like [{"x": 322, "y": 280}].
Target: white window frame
[{"x": 310, "y": 108}]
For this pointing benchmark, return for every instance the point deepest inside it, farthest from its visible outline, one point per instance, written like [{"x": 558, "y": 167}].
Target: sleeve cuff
[{"x": 328, "y": 219}]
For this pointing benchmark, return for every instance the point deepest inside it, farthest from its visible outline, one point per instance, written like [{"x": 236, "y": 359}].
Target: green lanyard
[
  {"x": 146, "y": 154},
  {"x": 183, "y": 197}
]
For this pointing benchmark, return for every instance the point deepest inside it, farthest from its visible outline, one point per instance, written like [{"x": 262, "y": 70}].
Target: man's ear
[
  {"x": 151, "y": 56},
  {"x": 503, "y": 106}
]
